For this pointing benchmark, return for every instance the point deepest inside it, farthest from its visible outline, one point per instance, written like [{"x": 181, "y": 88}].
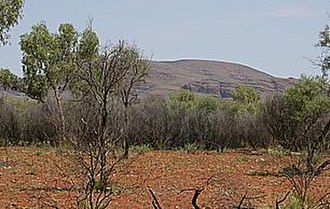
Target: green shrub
[
  {"x": 101, "y": 186},
  {"x": 192, "y": 148},
  {"x": 294, "y": 202},
  {"x": 277, "y": 151},
  {"x": 140, "y": 149}
]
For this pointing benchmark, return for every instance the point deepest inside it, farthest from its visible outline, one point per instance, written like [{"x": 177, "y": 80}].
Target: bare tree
[
  {"x": 101, "y": 77},
  {"x": 137, "y": 68}
]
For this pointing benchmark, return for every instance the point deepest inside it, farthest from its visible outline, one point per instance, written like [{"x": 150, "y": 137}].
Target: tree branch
[{"x": 154, "y": 202}]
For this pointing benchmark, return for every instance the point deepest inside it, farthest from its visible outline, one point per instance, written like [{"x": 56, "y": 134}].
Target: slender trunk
[
  {"x": 61, "y": 116},
  {"x": 126, "y": 129},
  {"x": 102, "y": 142}
]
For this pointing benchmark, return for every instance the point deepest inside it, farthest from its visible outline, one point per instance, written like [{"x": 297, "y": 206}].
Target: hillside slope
[
  {"x": 215, "y": 78},
  {"x": 209, "y": 77}
]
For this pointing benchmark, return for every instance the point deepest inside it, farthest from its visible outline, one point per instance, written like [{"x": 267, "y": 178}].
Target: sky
[{"x": 277, "y": 37}]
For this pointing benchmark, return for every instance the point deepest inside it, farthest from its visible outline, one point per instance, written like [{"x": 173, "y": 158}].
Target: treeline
[
  {"x": 293, "y": 120},
  {"x": 296, "y": 119}
]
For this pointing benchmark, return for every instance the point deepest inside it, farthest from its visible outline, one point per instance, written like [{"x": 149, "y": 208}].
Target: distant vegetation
[{"x": 186, "y": 118}]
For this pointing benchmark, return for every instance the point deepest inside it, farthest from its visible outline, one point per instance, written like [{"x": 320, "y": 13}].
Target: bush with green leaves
[
  {"x": 10, "y": 126},
  {"x": 296, "y": 118}
]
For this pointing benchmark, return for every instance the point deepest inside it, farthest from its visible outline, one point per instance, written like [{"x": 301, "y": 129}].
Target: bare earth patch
[{"x": 44, "y": 177}]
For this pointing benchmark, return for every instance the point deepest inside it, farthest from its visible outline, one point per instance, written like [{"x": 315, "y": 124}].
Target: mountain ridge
[
  {"x": 206, "y": 77},
  {"x": 210, "y": 77}
]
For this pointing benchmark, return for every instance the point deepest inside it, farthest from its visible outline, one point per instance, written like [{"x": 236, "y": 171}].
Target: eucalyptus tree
[
  {"x": 48, "y": 63},
  {"x": 11, "y": 13}
]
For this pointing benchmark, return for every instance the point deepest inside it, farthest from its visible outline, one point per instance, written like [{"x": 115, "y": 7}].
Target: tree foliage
[
  {"x": 308, "y": 99},
  {"x": 297, "y": 117},
  {"x": 324, "y": 44},
  {"x": 246, "y": 101},
  {"x": 89, "y": 44},
  {"x": 11, "y": 12},
  {"x": 8, "y": 80},
  {"x": 47, "y": 58},
  {"x": 245, "y": 95}
]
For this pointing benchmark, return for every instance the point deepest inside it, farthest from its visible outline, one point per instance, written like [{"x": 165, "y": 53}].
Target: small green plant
[
  {"x": 277, "y": 151},
  {"x": 191, "y": 148},
  {"x": 294, "y": 202},
  {"x": 141, "y": 149},
  {"x": 243, "y": 159},
  {"x": 100, "y": 186},
  {"x": 38, "y": 153}
]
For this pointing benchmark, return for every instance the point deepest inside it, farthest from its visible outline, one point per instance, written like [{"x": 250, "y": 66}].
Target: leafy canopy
[
  {"x": 11, "y": 12},
  {"x": 308, "y": 99},
  {"x": 48, "y": 58},
  {"x": 324, "y": 44},
  {"x": 246, "y": 100}
]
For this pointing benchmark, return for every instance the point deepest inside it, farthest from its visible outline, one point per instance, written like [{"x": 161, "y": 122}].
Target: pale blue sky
[{"x": 276, "y": 36}]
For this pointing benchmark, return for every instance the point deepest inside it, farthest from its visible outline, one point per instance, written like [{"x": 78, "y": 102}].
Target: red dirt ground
[{"x": 43, "y": 177}]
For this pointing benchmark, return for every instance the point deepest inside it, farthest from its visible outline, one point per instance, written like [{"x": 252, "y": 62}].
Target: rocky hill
[{"x": 215, "y": 78}]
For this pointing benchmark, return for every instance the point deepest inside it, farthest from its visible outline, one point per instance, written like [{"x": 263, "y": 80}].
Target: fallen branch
[
  {"x": 322, "y": 167},
  {"x": 321, "y": 200},
  {"x": 246, "y": 197},
  {"x": 278, "y": 202},
  {"x": 154, "y": 202},
  {"x": 198, "y": 191},
  {"x": 241, "y": 202}
]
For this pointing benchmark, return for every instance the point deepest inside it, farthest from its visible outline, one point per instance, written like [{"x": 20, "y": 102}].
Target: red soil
[{"x": 45, "y": 177}]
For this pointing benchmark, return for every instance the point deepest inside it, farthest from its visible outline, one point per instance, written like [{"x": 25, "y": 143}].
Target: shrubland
[{"x": 85, "y": 96}]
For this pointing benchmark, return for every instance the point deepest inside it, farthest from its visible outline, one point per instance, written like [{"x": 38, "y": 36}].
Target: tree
[
  {"x": 48, "y": 63},
  {"x": 294, "y": 118},
  {"x": 247, "y": 100},
  {"x": 11, "y": 12},
  {"x": 298, "y": 120},
  {"x": 102, "y": 77},
  {"x": 245, "y": 95},
  {"x": 301, "y": 115},
  {"x": 8, "y": 80},
  {"x": 137, "y": 68},
  {"x": 324, "y": 44},
  {"x": 308, "y": 99}
]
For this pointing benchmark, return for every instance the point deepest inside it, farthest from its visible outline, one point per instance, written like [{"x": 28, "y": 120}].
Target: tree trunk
[
  {"x": 61, "y": 116},
  {"x": 101, "y": 146},
  {"x": 126, "y": 129}
]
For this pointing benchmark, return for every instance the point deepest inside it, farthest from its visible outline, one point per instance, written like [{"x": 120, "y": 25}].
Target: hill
[
  {"x": 216, "y": 78},
  {"x": 206, "y": 77}
]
